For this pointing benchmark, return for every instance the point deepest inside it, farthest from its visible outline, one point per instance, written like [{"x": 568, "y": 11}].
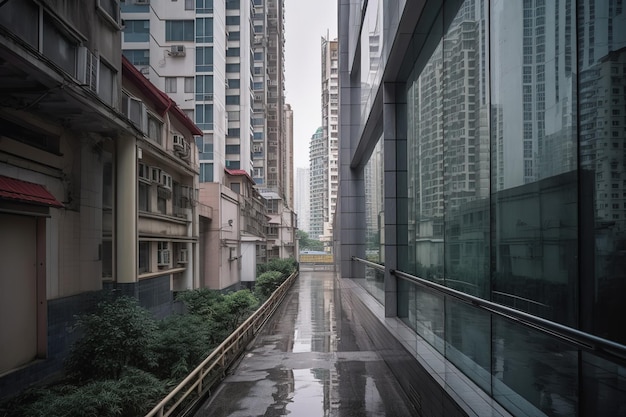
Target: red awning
[{"x": 26, "y": 192}]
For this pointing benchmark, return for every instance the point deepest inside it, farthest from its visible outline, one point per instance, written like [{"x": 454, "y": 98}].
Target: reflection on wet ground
[{"x": 313, "y": 358}]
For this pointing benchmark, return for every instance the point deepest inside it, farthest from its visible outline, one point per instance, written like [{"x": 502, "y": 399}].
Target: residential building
[
  {"x": 493, "y": 132},
  {"x": 318, "y": 162},
  {"x": 330, "y": 133},
  {"x": 163, "y": 218},
  {"x": 303, "y": 199},
  {"x": 281, "y": 228}
]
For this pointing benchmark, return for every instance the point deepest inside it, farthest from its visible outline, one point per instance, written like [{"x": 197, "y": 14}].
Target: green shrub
[
  {"x": 284, "y": 266},
  {"x": 133, "y": 394},
  {"x": 200, "y": 302},
  {"x": 119, "y": 334},
  {"x": 183, "y": 341},
  {"x": 234, "y": 308},
  {"x": 267, "y": 283}
]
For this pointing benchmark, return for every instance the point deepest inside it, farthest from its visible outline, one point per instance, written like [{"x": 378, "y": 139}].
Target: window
[
  {"x": 232, "y": 99},
  {"x": 204, "y": 59},
  {"x": 163, "y": 253},
  {"x": 236, "y": 187},
  {"x": 233, "y": 116},
  {"x": 204, "y": 30},
  {"x": 234, "y": 83},
  {"x": 189, "y": 81},
  {"x": 204, "y": 88},
  {"x": 143, "y": 192},
  {"x": 189, "y": 4},
  {"x": 106, "y": 83},
  {"x": 234, "y": 36},
  {"x": 204, "y": 116},
  {"x": 136, "y": 30},
  {"x": 232, "y": 149},
  {"x": 232, "y": 52},
  {"x": 178, "y": 30},
  {"x": 205, "y": 147},
  {"x": 170, "y": 84},
  {"x": 232, "y": 20},
  {"x": 144, "y": 257},
  {"x": 58, "y": 47},
  {"x": 161, "y": 201},
  {"x": 189, "y": 113},
  {"x": 233, "y": 164},
  {"x": 232, "y": 68},
  {"x": 233, "y": 132},
  {"x": 111, "y": 8},
  {"x": 137, "y": 57},
  {"x": 154, "y": 129},
  {"x": 204, "y": 6},
  {"x": 232, "y": 4},
  {"x": 206, "y": 172}
]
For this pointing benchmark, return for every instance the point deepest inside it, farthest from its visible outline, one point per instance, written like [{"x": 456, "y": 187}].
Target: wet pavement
[{"x": 314, "y": 358}]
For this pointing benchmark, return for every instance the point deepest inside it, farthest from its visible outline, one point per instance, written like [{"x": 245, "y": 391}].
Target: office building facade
[{"x": 500, "y": 131}]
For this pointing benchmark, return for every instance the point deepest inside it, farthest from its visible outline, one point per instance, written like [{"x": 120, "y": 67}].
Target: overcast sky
[{"x": 305, "y": 24}]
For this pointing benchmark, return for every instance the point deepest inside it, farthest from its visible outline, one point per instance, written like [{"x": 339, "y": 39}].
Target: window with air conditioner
[{"x": 166, "y": 180}]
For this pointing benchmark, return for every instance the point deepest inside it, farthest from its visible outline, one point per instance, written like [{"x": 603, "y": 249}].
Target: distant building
[{"x": 303, "y": 199}]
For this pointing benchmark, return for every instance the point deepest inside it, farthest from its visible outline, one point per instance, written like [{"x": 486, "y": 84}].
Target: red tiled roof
[
  {"x": 239, "y": 172},
  {"x": 161, "y": 101},
  {"x": 26, "y": 192}
]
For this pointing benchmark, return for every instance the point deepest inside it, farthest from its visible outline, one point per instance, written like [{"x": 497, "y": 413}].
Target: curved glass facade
[{"x": 516, "y": 193}]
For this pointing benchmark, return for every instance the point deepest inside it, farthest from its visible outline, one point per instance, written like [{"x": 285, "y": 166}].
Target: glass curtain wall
[
  {"x": 517, "y": 194},
  {"x": 375, "y": 220}
]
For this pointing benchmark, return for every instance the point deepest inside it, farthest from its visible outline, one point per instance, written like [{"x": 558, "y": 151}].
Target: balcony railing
[{"x": 213, "y": 369}]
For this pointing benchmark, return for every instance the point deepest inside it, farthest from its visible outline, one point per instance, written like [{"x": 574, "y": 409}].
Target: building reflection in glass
[{"x": 516, "y": 157}]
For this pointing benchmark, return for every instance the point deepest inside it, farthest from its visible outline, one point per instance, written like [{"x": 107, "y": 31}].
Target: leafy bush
[
  {"x": 182, "y": 342},
  {"x": 133, "y": 394},
  {"x": 284, "y": 266},
  {"x": 235, "y": 306},
  {"x": 267, "y": 283},
  {"x": 200, "y": 302},
  {"x": 119, "y": 334}
]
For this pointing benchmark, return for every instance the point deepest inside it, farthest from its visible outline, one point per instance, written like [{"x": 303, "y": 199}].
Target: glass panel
[
  {"x": 466, "y": 157},
  {"x": 603, "y": 387},
  {"x": 468, "y": 341},
  {"x": 535, "y": 180},
  {"x": 602, "y": 103},
  {"x": 533, "y": 372}
]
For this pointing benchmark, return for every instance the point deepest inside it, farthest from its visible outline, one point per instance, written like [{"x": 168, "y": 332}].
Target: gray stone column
[{"x": 125, "y": 237}]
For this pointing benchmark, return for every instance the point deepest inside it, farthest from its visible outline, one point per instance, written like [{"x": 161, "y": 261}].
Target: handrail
[
  {"x": 370, "y": 263},
  {"x": 223, "y": 355},
  {"x": 591, "y": 343}
]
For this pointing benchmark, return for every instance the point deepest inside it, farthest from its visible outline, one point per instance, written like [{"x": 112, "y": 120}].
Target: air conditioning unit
[
  {"x": 87, "y": 68},
  {"x": 166, "y": 180},
  {"x": 163, "y": 257},
  {"x": 183, "y": 256},
  {"x": 177, "y": 50},
  {"x": 144, "y": 172},
  {"x": 208, "y": 97},
  {"x": 178, "y": 142}
]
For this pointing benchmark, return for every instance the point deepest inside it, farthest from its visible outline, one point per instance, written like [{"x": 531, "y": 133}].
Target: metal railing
[
  {"x": 213, "y": 368},
  {"x": 606, "y": 348}
]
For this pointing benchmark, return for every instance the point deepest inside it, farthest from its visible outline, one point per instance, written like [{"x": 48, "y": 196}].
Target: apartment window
[
  {"x": 233, "y": 164},
  {"x": 205, "y": 146},
  {"x": 236, "y": 187},
  {"x": 189, "y": 81},
  {"x": 204, "y": 6},
  {"x": 161, "y": 201},
  {"x": 163, "y": 253},
  {"x": 106, "y": 83},
  {"x": 204, "y": 87},
  {"x": 204, "y": 116},
  {"x": 143, "y": 195},
  {"x": 232, "y": 99},
  {"x": 232, "y": 52},
  {"x": 204, "y": 30},
  {"x": 189, "y": 4},
  {"x": 232, "y": 149},
  {"x": 206, "y": 172},
  {"x": 234, "y": 82},
  {"x": 232, "y": 68},
  {"x": 258, "y": 28},
  {"x": 204, "y": 59},
  {"x": 232, "y": 20},
  {"x": 233, "y": 116},
  {"x": 154, "y": 129},
  {"x": 144, "y": 257},
  {"x": 137, "y": 57},
  {"x": 235, "y": 132},
  {"x": 234, "y": 35},
  {"x": 178, "y": 30},
  {"x": 136, "y": 30},
  {"x": 58, "y": 47},
  {"x": 111, "y": 8},
  {"x": 170, "y": 84},
  {"x": 232, "y": 4}
]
